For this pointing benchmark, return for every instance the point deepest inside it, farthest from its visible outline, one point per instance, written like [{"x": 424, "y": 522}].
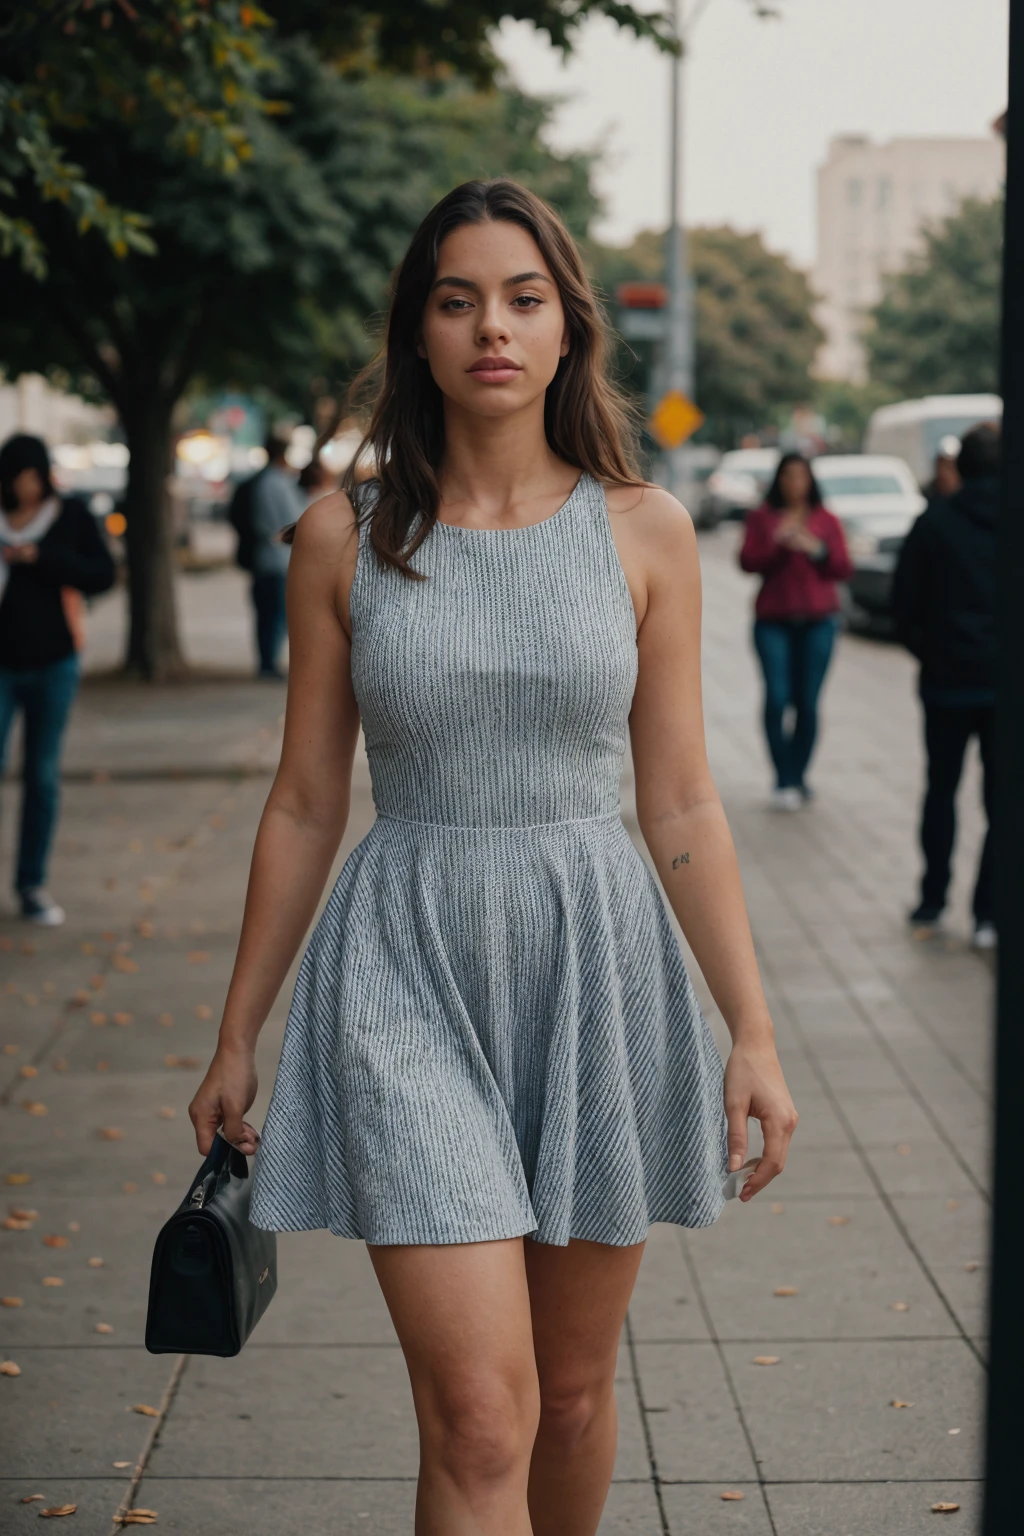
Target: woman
[
  {"x": 50, "y": 551},
  {"x": 800, "y": 550},
  {"x": 495, "y": 1070}
]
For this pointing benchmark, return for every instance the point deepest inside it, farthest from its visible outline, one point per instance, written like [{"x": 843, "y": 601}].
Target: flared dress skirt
[{"x": 493, "y": 1033}]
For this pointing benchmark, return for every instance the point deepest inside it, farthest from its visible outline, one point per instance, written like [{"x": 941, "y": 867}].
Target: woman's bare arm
[
  {"x": 682, "y": 819},
  {"x": 305, "y": 815}
]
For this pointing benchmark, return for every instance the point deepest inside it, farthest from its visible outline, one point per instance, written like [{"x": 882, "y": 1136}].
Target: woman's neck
[
  {"x": 24, "y": 512},
  {"x": 499, "y": 464}
]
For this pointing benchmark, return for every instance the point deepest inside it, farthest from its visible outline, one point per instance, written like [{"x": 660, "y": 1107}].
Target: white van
[{"x": 913, "y": 429}]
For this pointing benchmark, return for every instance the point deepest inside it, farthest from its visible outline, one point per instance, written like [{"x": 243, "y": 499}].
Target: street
[{"x": 870, "y": 1412}]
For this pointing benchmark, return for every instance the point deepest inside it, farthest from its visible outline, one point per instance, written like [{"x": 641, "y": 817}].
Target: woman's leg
[
  {"x": 462, "y": 1314},
  {"x": 579, "y": 1297},
  {"x": 48, "y": 696},
  {"x": 773, "y": 643},
  {"x": 812, "y": 653}
]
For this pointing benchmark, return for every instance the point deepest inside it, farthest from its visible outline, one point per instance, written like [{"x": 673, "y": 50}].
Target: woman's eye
[
  {"x": 453, "y": 304},
  {"x": 526, "y": 300}
]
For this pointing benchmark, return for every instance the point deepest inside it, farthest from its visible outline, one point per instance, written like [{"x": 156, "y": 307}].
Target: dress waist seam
[{"x": 607, "y": 817}]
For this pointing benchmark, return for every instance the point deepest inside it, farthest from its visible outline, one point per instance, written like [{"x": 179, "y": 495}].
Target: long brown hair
[{"x": 587, "y": 421}]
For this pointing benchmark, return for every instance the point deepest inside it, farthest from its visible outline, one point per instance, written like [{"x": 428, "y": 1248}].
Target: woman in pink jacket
[{"x": 800, "y": 551}]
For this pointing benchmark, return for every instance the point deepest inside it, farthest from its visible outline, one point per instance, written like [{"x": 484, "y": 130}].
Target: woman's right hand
[{"x": 221, "y": 1100}]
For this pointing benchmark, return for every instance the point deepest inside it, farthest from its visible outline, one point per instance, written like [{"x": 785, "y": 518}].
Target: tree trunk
[{"x": 154, "y": 651}]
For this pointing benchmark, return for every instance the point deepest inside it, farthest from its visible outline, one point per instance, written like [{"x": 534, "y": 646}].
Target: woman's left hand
[{"x": 756, "y": 1089}]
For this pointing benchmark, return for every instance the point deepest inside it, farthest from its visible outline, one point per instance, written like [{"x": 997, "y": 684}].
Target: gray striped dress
[{"x": 493, "y": 1032}]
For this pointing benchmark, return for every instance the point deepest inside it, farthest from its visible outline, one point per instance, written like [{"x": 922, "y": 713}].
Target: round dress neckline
[{"x": 523, "y": 527}]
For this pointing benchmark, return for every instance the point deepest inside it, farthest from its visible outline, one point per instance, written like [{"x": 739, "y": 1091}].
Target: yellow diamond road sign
[{"x": 674, "y": 419}]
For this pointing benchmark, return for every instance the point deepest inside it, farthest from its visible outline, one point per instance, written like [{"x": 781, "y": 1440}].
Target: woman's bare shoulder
[
  {"x": 652, "y": 517},
  {"x": 327, "y": 530}
]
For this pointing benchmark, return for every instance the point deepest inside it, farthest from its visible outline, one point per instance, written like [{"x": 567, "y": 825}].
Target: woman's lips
[{"x": 494, "y": 370}]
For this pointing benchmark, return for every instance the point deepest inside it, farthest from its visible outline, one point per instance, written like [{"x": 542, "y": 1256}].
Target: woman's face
[
  {"x": 28, "y": 488},
  {"x": 493, "y": 327},
  {"x": 795, "y": 483}
]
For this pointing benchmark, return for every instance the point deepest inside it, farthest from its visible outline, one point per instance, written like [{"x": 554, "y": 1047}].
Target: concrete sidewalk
[{"x": 878, "y": 1223}]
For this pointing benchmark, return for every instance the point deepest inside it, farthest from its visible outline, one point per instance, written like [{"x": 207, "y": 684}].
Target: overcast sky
[{"x": 763, "y": 100}]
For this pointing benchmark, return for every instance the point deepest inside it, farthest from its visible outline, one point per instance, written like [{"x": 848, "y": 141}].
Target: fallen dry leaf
[
  {"x": 15, "y": 1224},
  {"x": 95, "y": 1263},
  {"x": 103, "y": 1328},
  {"x": 97, "y": 1018},
  {"x": 778, "y": 1208},
  {"x": 130, "y": 1188},
  {"x": 159, "y": 1178},
  {"x": 59, "y": 1063},
  {"x": 898, "y": 1402},
  {"x": 10, "y": 1050},
  {"x": 904, "y": 1149},
  {"x": 8, "y": 1368},
  {"x": 767, "y": 1359},
  {"x": 12, "y": 987},
  {"x": 27, "y": 947},
  {"x": 49, "y": 987},
  {"x": 27, "y": 1071},
  {"x": 166, "y": 1112},
  {"x": 11, "y": 1301},
  {"x": 144, "y": 1408},
  {"x": 188, "y": 1062},
  {"x": 110, "y": 1133},
  {"x": 96, "y": 982},
  {"x": 135, "y": 845},
  {"x": 952, "y": 1205},
  {"x": 18, "y": 1178},
  {"x": 204, "y": 1011},
  {"x": 166, "y": 1019},
  {"x": 52, "y": 1280},
  {"x": 120, "y": 1463},
  {"x": 145, "y": 928},
  {"x": 138, "y": 1517},
  {"x": 124, "y": 1018},
  {"x": 952, "y": 1431},
  {"x": 110, "y": 883},
  {"x": 103, "y": 1066},
  {"x": 30, "y": 999},
  {"x": 58, "y": 1509},
  {"x": 972, "y": 1266},
  {"x": 56, "y": 1240},
  {"x": 34, "y": 1107},
  {"x": 87, "y": 948},
  {"x": 22, "y": 1213},
  {"x": 732, "y": 1495},
  {"x": 785, "y": 1290},
  {"x": 198, "y": 956},
  {"x": 108, "y": 937},
  {"x": 899, "y": 1306},
  {"x": 30, "y": 1498},
  {"x": 944, "y": 1509},
  {"x": 6, "y": 943},
  {"x": 123, "y": 963},
  {"x": 79, "y": 999}
]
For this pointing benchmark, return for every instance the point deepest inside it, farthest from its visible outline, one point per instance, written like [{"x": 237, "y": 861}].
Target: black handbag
[{"x": 213, "y": 1272}]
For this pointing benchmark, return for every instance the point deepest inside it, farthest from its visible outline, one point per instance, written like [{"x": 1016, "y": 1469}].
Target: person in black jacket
[
  {"x": 50, "y": 550},
  {"x": 944, "y": 604}
]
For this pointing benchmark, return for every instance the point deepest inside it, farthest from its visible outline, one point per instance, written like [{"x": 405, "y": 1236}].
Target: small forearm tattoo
[{"x": 680, "y": 858}]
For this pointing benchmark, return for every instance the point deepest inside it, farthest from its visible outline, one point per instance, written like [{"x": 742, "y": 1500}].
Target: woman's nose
[{"x": 493, "y": 324}]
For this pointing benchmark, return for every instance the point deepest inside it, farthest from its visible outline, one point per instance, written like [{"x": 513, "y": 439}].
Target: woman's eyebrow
[{"x": 510, "y": 282}]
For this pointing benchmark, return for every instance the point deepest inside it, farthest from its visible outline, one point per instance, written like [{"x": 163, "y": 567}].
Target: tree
[
  {"x": 936, "y": 328},
  {"x": 261, "y": 270},
  {"x": 756, "y": 335}
]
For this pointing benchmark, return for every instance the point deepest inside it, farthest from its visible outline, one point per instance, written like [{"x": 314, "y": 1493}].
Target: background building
[{"x": 872, "y": 201}]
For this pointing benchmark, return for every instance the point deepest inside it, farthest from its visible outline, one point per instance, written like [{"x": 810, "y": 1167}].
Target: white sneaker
[
  {"x": 38, "y": 906},
  {"x": 985, "y": 936},
  {"x": 786, "y": 800}
]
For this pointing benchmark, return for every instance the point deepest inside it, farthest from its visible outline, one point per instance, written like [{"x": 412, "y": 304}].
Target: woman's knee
[
  {"x": 569, "y": 1410},
  {"x": 481, "y": 1429}
]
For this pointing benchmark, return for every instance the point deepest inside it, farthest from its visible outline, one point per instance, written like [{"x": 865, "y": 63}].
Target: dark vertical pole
[{"x": 1004, "y": 1513}]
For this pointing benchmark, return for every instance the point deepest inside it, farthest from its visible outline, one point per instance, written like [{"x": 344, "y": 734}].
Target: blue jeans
[
  {"x": 794, "y": 658},
  {"x": 271, "y": 619},
  {"x": 44, "y": 695}
]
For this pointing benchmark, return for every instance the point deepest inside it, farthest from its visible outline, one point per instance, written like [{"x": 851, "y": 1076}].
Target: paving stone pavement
[{"x": 879, "y": 1222}]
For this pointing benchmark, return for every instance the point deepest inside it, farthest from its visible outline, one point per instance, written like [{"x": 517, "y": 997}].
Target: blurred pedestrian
[
  {"x": 800, "y": 551},
  {"x": 944, "y": 603},
  {"x": 50, "y": 552},
  {"x": 276, "y": 503}
]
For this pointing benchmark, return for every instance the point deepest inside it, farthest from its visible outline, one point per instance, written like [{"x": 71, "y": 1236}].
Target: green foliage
[
  {"x": 847, "y": 409},
  {"x": 191, "y": 69},
  {"x": 755, "y": 331},
  {"x": 936, "y": 329}
]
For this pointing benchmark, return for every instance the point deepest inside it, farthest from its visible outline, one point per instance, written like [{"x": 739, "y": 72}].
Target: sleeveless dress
[{"x": 493, "y": 1033}]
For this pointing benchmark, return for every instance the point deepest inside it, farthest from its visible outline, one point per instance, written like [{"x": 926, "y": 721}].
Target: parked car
[
  {"x": 876, "y": 498},
  {"x": 914, "y": 429},
  {"x": 699, "y": 462},
  {"x": 737, "y": 485}
]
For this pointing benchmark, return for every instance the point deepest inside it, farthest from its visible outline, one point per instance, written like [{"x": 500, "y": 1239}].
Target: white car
[
  {"x": 876, "y": 498},
  {"x": 737, "y": 484}
]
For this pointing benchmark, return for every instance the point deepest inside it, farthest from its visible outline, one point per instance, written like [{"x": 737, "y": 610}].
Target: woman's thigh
[
  {"x": 812, "y": 654},
  {"x": 462, "y": 1315},
  {"x": 579, "y": 1296},
  {"x": 773, "y": 643}
]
